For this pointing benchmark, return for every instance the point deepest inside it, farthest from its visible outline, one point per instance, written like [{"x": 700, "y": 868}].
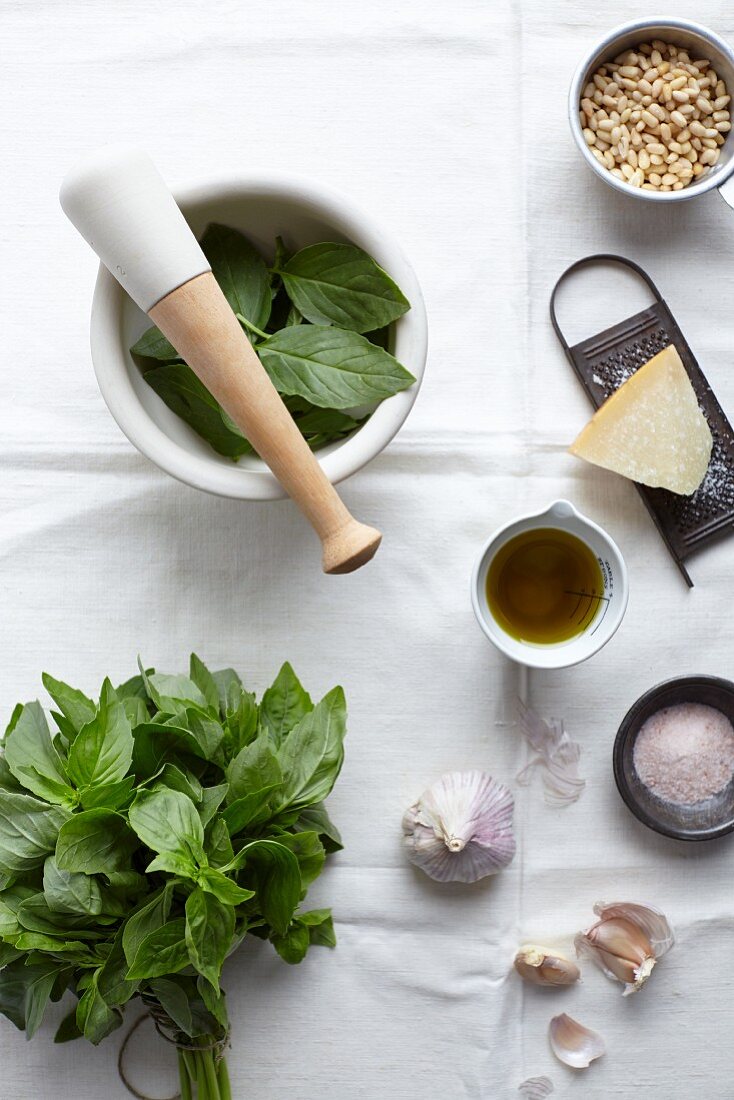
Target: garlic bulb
[
  {"x": 536, "y": 1088},
  {"x": 572, "y": 1043},
  {"x": 626, "y": 942},
  {"x": 460, "y": 829},
  {"x": 537, "y": 965}
]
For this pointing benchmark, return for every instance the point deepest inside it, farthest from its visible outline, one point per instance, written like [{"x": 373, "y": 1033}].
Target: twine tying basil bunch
[
  {"x": 146, "y": 836},
  {"x": 319, "y": 321}
]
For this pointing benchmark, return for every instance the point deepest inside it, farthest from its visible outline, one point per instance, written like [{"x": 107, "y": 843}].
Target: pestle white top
[{"x": 119, "y": 202}]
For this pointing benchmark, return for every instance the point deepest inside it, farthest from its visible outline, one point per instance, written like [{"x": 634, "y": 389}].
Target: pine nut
[{"x": 678, "y": 119}]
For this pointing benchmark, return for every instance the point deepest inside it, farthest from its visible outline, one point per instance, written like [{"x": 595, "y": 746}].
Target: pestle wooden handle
[
  {"x": 120, "y": 204},
  {"x": 200, "y": 324}
]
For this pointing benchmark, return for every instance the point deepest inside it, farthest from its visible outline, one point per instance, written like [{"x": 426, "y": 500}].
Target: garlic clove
[
  {"x": 539, "y": 966},
  {"x": 650, "y": 920},
  {"x": 536, "y": 1088},
  {"x": 573, "y": 1044},
  {"x": 460, "y": 829},
  {"x": 626, "y": 942}
]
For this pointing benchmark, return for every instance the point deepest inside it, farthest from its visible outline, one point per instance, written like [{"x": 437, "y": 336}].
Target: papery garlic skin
[
  {"x": 460, "y": 829},
  {"x": 573, "y": 1044},
  {"x": 541, "y": 967},
  {"x": 626, "y": 942}
]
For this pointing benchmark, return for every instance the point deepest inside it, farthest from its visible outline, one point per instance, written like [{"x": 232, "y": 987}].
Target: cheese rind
[{"x": 651, "y": 429}]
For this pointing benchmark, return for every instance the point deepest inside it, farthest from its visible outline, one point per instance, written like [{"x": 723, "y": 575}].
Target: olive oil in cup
[
  {"x": 549, "y": 590},
  {"x": 545, "y": 586}
]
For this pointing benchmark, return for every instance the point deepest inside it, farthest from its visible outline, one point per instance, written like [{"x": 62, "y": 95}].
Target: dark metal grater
[{"x": 603, "y": 362}]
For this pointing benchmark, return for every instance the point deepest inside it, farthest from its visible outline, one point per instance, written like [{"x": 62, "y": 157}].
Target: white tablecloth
[{"x": 448, "y": 122}]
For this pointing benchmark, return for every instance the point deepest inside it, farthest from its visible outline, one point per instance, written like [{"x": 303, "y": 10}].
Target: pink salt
[{"x": 685, "y": 754}]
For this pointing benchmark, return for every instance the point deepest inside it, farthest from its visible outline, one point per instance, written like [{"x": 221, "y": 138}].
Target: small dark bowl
[{"x": 705, "y": 821}]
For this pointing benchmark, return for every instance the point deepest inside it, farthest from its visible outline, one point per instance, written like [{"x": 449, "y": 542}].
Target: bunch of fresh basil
[
  {"x": 145, "y": 837},
  {"x": 319, "y": 321}
]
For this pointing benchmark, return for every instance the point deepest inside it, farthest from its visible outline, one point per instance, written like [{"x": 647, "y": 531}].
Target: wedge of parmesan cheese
[{"x": 651, "y": 429}]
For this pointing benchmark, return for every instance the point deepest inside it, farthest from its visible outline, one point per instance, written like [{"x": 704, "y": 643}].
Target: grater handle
[{"x": 586, "y": 261}]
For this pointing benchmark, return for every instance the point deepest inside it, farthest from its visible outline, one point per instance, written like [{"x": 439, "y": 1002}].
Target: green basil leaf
[
  {"x": 211, "y": 800},
  {"x": 284, "y": 704},
  {"x": 25, "y": 992},
  {"x": 35, "y": 916},
  {"x": 136, "y": 710},
  {"x": 175, "y": 1003},
  {"x": 320, "y": 926},
  {"x": 167, "y": 821},
  {"x": 186, "y": 782},
  {"x": 241, "y": 720},
  {"x": 331, "y": 368},
  {"x": 164, "y": 690},
  {"x": 310, "y": 853},
  {"x": 209, "y": 931},
  {"x": 70, "y": 891},
  {"x": 8, "y": 919},
  {"x": 162, "y": 952},
  {"x": 94, "y": 1017},
  {"x": 102, "y": 751},
  {"x": 68, "y": 1029},
  {"x": 252, "y": 809},
  {"x": 174, "y": 863},
  {"x": 207, "y": 685},
  {"x": 293, "y": 944},
  {"x": 216, "y": 882},
  {"x": 272, "y": 869},
  {"x": 156, "y": 743},
  {"x": 180, "y": 389},
  {"x": 218, "y": 848},
  {"x": 154, "y": 345},
  {"x": 313, "y": 752},
  {"x": 111, "y": 976},
  {"x": 134, "y": 688},
  {"x": 230, "y": 689},
  {"x": 8, "y": 782},
  {"x": 33, "y": 759},
  {"x": 317, "y": 819},
  {"x": 110, "y": 796},
  {"x": 322, "y": 426},
  {"x": 95, "y": 841},
  {"x": 28, "y": 830},
  {"x": 254, "y": 767},
  {"x": 339, "y": 284},
  {"x": 214, "y": 1003},
  {"x": 148, "y": 918},
  {"x": 240, "y": 271},
  {"x": 71, "y": 951},
  {"x": 73, "y": 704}
]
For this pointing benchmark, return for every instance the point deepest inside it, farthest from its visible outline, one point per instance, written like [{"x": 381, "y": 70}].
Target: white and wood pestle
[{"x": 122, "y": 207}]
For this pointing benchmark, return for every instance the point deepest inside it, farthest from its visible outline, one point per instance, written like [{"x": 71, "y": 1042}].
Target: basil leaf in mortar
[
  {"x": 339, "y": 284},
  {"x": 331, "y": 368},
  {"x": 154, "y": 345},
  {"x": 240, "y": 271},
  {"x": 177, "y": 385}
]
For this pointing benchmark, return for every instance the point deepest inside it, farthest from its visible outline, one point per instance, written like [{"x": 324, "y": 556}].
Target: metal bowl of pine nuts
[{"x": 649, "y": 109}]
